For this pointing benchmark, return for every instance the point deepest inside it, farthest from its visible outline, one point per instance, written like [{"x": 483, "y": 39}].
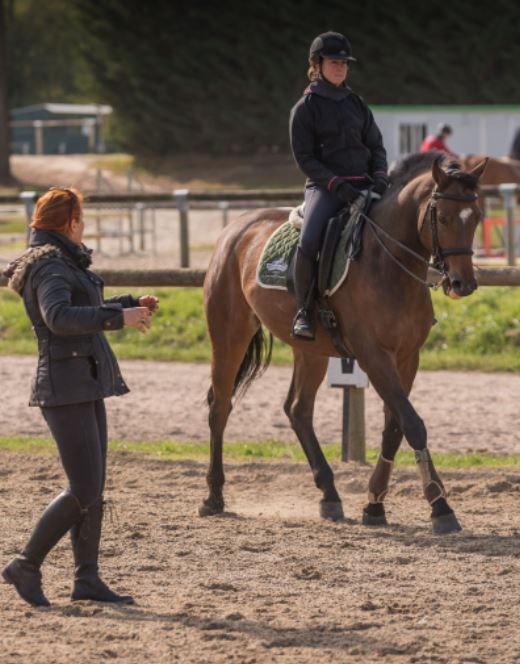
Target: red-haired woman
[{"x": 76, "y": 371}]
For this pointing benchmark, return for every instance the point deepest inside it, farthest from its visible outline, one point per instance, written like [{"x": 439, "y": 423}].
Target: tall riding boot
[
  {"x": 303, "y": 323},
  {"x": 24, "y": 570},
  {"x": 86, "y": 536}
]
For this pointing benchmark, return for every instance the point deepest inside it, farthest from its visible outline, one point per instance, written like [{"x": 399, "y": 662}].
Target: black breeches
[
  {"x": 80, "y": 431},
  {"x": 320, "y": 206}
]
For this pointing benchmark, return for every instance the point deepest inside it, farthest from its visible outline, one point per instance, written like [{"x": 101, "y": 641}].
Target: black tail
[{"x": 255, "y": 362}]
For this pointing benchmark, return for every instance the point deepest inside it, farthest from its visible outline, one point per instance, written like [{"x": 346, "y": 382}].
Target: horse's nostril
[{"x": 456, "y": 285}]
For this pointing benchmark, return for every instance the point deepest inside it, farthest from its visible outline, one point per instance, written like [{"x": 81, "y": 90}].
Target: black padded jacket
[
  {"x": 64, "y": 302},
  {"x": 334, "y": 135}
]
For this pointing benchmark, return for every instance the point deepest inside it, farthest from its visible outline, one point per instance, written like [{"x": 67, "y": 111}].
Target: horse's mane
[{"x": 415, "y": 164}]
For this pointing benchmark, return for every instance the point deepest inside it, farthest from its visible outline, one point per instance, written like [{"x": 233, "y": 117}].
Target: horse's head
[{"x": 449, "y": 225}]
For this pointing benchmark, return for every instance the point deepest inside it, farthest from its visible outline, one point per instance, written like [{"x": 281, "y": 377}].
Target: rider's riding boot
[
  {"x": 86, "y": 536},
  {"x": 24, "y": 570},
  {"x": 303, "y": 323}
]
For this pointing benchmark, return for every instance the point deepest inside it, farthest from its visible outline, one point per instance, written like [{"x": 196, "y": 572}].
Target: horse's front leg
[
  {"x": 374, "y": 512},
  {"x": 382, "y": 372},
  {"x": 309, "y": 371}
]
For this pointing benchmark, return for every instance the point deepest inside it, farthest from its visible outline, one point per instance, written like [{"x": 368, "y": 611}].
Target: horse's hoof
[
  {"x": 372, "y": 520},
  {"x": 331, "y": 511},
  {"x": 209, "y": 508},
  {"x": 445, "y": 524}
]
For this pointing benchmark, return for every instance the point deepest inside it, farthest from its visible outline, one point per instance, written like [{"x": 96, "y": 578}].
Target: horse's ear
[
  {"x": 440, "y": 177},
  {"x": 479, "y": 168}
]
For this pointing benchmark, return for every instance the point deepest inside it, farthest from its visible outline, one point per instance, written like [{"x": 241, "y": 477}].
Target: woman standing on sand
[{"x": 76, "y": 371}]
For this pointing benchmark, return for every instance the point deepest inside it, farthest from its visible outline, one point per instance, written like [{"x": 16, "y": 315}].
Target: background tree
[
  {"x": 208, "y": 77},
  {"x": 200, "y": 76},
  {"x": 5, "y": 173},
  {"x": 45, "y": 59}
]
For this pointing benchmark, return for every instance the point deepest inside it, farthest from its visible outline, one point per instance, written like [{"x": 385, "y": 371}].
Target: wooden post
[
  {"x": 353, "y": 433},
  {"x": 181, "y": 196},
  {"x": 141, "y": 225},
  {"x": 224, "y": 206},
  {"x": 507, "y": 190},
  {"x": 28, "y": 199},
  {"x": 38, "y": 137}
]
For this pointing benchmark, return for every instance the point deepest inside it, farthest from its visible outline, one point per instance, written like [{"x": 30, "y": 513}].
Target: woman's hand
[
  {"x": 138, "y": 317},
  {"x": 150, "y": 302}
]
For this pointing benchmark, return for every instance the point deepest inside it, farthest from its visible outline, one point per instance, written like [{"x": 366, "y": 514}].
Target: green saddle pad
[{"x": 273, "y": 266}]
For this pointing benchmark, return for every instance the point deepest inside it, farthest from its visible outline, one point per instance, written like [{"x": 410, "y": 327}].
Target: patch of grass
[
  {"x": 481, "y": 332},
  {"x": 268, "y": 451},
  {"x": 13, "y": 225},
  {"x": 117, "y": 163}
]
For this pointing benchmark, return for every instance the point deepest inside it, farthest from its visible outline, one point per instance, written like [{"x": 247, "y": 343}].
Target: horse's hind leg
[
  {"x": 230, "y": 337},
  {"x": 309, "y": 371}
]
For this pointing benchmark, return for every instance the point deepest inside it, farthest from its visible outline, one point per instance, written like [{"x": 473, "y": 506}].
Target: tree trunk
[{"x": 5, "y": 173}]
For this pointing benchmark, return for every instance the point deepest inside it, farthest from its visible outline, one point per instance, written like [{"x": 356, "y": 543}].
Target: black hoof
[
  {"x": 372, "y": 520},
  {"x": 211, "y": 508},
  {"x": 445, "y": 524},
  {"x": 331, "y": 511}
]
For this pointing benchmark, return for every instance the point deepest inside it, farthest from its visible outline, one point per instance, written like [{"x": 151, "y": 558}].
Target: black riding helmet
[{"x": 332, "y": 45}]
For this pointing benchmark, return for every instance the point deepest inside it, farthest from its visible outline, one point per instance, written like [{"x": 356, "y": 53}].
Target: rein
[{"x": 438, "y": 254}]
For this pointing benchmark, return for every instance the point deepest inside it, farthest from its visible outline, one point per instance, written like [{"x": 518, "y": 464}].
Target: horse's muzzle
[{"x": 455, "y": 286}]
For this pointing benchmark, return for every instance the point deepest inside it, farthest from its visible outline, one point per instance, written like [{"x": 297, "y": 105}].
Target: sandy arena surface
[
  {"x": 463, "y": 411},
  {"x": 269, "y": 581}
]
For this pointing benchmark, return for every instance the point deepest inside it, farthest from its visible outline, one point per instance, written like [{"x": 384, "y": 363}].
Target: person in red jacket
[{"x": 437, "y": 141}]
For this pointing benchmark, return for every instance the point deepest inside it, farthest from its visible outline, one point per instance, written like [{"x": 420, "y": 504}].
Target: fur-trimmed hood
[{"x": 17, "y": 270}]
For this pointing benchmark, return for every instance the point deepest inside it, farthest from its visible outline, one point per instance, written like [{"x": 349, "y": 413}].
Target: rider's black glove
[
  {"x": 345, "y": 191},
  {"x": 380, "y": 186}
]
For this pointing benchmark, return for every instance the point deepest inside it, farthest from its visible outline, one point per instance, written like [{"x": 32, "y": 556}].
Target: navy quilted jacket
[{"x": 333, "y": 135}]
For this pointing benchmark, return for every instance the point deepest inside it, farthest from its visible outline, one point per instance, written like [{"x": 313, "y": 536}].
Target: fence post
[
  {"x": 353, "y": 431},
  {"x": 28, "y": 199},
  {"x": 508, "y": 192},
  {"x": 140, "y": 224},
  {"x": 346, "y": 373},
  {"x": 181, "y": 197},
  {"x": 224, "y": 206}
]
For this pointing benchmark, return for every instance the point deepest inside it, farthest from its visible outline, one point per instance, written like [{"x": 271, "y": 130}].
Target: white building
[{"x": 476, "y": 129}]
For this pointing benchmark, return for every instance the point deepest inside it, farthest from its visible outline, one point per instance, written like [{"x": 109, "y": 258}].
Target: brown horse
[
  {"x": 498, "y": 171},
  {"x": 385, "y": 315}
]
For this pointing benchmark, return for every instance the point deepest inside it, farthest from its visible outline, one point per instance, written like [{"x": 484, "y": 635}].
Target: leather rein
[{"x": 437, "y": 253}]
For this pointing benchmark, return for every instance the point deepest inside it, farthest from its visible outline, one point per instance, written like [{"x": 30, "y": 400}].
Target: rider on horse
[{"x": 337, "y": 144}]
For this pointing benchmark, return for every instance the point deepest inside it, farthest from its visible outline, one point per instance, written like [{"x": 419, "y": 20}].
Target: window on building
[{"x": 410, "y": 137}]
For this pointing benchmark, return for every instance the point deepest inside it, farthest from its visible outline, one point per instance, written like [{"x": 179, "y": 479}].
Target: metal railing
[{"x": 183, "y": 200}]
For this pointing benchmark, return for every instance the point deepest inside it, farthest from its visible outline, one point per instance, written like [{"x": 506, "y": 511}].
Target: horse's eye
[{"x": 443, "y": 220}]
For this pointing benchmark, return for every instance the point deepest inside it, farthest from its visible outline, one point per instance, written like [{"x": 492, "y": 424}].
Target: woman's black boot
[
  {"x": 23, "y": 572},
  {"x": 303, "y": 323},
  {"x": 86, "y": 537}
]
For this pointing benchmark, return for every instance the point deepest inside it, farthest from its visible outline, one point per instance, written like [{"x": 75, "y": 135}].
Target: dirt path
[
  {"x": 269, "y": 581},
  {"x": 464, "y": 411}
]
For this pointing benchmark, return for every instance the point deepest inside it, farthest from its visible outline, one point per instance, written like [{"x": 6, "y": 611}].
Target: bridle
[{"x": 437, "y": 253}]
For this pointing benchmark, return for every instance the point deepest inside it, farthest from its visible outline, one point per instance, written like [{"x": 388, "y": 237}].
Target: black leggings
[
  {"x": 320, "y": 206},
  {"x": 80, "y": 431}
]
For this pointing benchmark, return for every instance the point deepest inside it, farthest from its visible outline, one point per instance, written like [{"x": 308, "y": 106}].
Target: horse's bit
[{"x": 438, "y": 254}]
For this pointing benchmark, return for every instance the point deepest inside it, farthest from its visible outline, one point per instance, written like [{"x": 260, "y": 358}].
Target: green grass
[
  {"x": 13, "y": 225},
  {"x": 266, "y": 451},
  {"x": 481, "y": 332}
]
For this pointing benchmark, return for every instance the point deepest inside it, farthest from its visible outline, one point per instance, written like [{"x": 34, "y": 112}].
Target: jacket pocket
[{"x": 68, "y": 350}]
